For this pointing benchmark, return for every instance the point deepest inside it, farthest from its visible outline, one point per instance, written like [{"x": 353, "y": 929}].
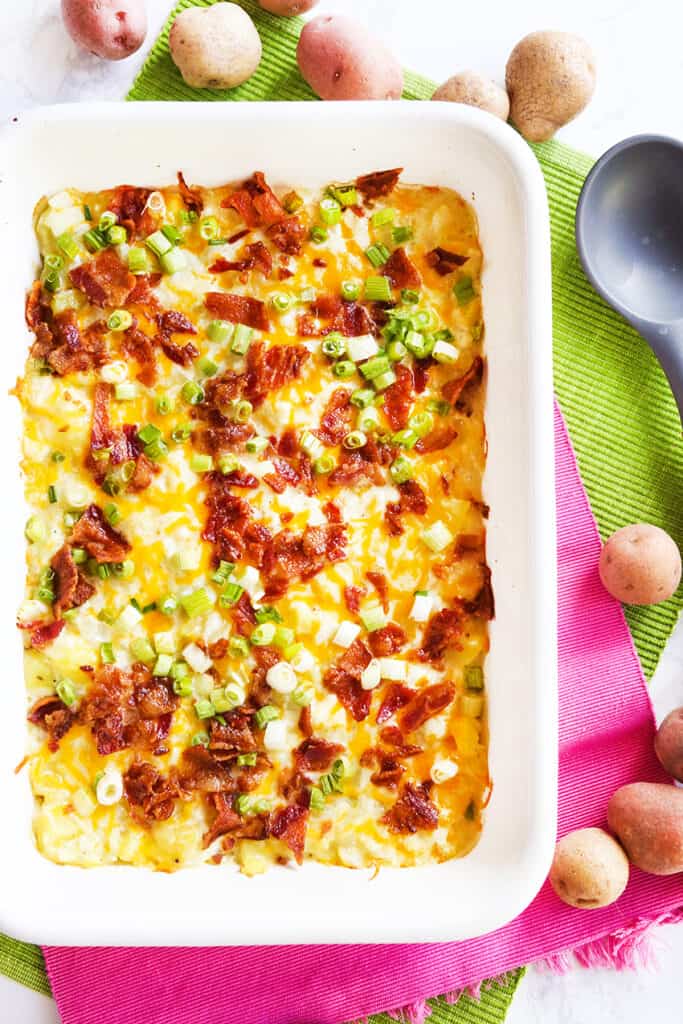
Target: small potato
[
  {"x": 647, "y": 818},
  {"x": 589, "y": 869},
  {"x": 640, "y": 564},
  {"x": 475, "y": 90},
  {"x": 669, "y": 744},
  {"x": 340, "y": 60},
  {"x": 550, "y": 78},
  {"x": 287, "y": 8},
  {"x": 215, "y": 47},
  {"x": 112, "y": 29}
]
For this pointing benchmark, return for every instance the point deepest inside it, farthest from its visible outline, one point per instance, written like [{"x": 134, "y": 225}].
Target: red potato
[
  {"x": 640, "y": 564},
  {"x": 669, "y": 744},
  {"x": 340, "y": 60},
  {"x": 647, "y": 818},
  {"x": 112, "y": 29},
  {"x": 287, "y": 8},
  {"x": 589, "y": 869}
]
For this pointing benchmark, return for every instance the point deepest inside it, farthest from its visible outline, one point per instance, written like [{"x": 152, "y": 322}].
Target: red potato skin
[
  {"x": 647, "y": 818},
  {"x": 669, "y": 744},
  {"x": 287, "y": 8},
  {"x": 340, "y": 60},
  {"x": 111, "y": 29}
]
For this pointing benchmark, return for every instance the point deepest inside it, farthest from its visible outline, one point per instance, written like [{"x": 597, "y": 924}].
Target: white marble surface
[{"x": 638, "y": 43}]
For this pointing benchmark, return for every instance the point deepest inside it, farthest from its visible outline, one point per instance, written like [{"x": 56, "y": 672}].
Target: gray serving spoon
[{"x": 629, "y": 233}]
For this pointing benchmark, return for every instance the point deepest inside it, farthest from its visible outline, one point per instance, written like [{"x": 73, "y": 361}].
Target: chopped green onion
[
  {"x": 375, "y": 366},
  {"x": 119, "y": 320},
  {"x": 230, "y": 595},
  {"x": 404, "y": 438},
  {"x": 355, "y": 439},
  {"x": 238, "y": 647},
  {"x": 45, "y": 591},
  {"x": 200, "y": 739},
  {"x": 334, "y": 345},
  {"x": 199, "y": 602},
  {"x": 401, "y": 470},
  {"x": 318, "y": 234},
  {"x": 474, "y": 677},
  {"x": 156, "y": 451},
  {"x": 87, "y": 212},
  {"x": 162, "y": 665},
  {"x": 107, "y": 654},
  {"x": 325, "y": 464},
  {"x": 303, "y": 695},
  {"x": 263, "y": 635},
  {"x": 417, "y": 344},
  {"x": 200, "y": 463},
  {"x": 350, "y": 290},
  {"x": 182, "y": 431},
  {"x": 445, "y": 353},
  {"x": 439, "y": 405},
  {"x": 266, "y": 714},
  {"x": 409, "y": 297},
  {"x": 362, "y": 398},
  {"x": 179, "y": 670},
  {"x": 246, "y": 760},
  {"x": 192, "y": 392},
  {"x": 158, "y": 243},
  {"x": 267, "y": 613},
  {"x": 377, "y": 289},
  {"x": 382, "y": 217},
  {"x": 292, "y": 202},
  {"x": 443, "y": 335},
  {"x": 183, "y": 686},
  {"x": 242, "y": 411},
  {"x": 209, "y": 228},
  {"x": 126, "y": 392},
  {"x": 68, "y": 245},
  {"x": 107, "y": 220},
  {"x": 207, "y": 366},
  {"x": 189, "y": 216},
  {"x": 173, "y": 261},
  {"x": 35, "y": 530},
  {"x": 425, "y": 319},
  {"x": 463, "y": 290},
  {"x": 396, "y": 351},
  {"x": 284, "y": 637},
  {"x": 52, "y": 280},
  {"x": 257, "y": 445},
  {"x": 171, "y": 231},
  {"x": 400, "y": 235},
  {"x": 138, "y": 261},
  {"x": 142, "y": 650},
  {"x": 421, "y": 423},
  {"x": 95, "y": 240},
  {"x": 330, "y": 211},
  {"x": 241, "y": 339},
  {"x": 220, "y": 331},
  {"x": 384, "y": 380},
  {"x": 311, "y": 444},
  {"x": 117, "y": 235},
  {"x": 164, "y": 404},
  {"x": 204, "y": 709},
  {"x": 346, "y": 195},
  {"x": 51, "y": 494},
  {"x": 66, "y": 692},
  {"x": 168, "y": 605},
  {"x": 228, "y": 463},
  {"x": 224, "y": 570},
  {"x": 54, "y": 262},
  {"x": 368, "y": 420},
  {"x": 373, "y": 618},
  {"x": 112, "y": 513},
  {"x": 378, "y": 254},
  {"x": 437, "y": 536},
  {"x": 149, "y": 433},
  {"x": 280, "y": 302},
  {"x": 317, "y": 799},
  {"x": 344, "y": 369}
]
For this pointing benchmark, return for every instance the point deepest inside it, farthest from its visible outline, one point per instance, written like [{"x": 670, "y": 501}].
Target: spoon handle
[{"x": 666, "y": 341}]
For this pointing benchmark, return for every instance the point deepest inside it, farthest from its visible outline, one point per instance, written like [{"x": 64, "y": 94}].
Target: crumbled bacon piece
[
  {"x": 218, "y": 649},
  {"x": 411, "y": 499},
  {"x": 393, "y": 736},
  {"x": 32, "y": 308},
  {"x": 44, "y": 633},
  {"x": 437, "y": 439},
  {"x": 255, "y": 255},
  {"x": 289, "y": 824},
  {"x": 229, "y": 823},
  {"x": 255, "y": 202},
  {"x": 400, "y": 271},
  {"x": 130, "y": 206},
  {"x": 316, "y": 754},
  {"x": 269, "y": 369},
  {"x": 227, "y": 436},
  {"x": 98, "y": 537},
  {"x": 138, "y": 345},
  {"x": 238, "y": 309},
  {"x": 288, "y": 235},
  {"x": 398, "y": 398},
  {"x": 378, "y": 183},
  {"x": 387, "y": 641},
  {"x": 425, "y": 704},
  {"x": 105, "y": 280},
  {"x": 172, "y": 322},
  {"x": 453, "y": 390},
  {"x": 353, "y": 320},
  {"x": 343, "y": 679},
  {"x": 442, "y": 631},
  {"x": 443, "y": 261},
  {"x": 60, "y": 341},
  {"x": 52, "y": 715},
  {"x": 379, "y": 582},
  {"x": 305, "y": 722},
  {"x": 388, "y": 773},
  {"x": 362, "y": 464},
  {"x": 238, "y": 236},
  {"x": 291, "y": 557},
  {"x": 233, "y": 738},
  {"x": 483, "y": 604},
  {"x": 129, "y": 707},
  {"x": 337, "y": 418},
  {"x": 396, "y": 696},
  {"x": 71, "y": 587},
  {"x": 421, "y": 368},
  {"x": 147, "y": 788},
  {"x": 352, "y": 598},
  {"x": 412, "y": 812},
  {"x": 142, "y": 293},
  {"x": 192, "y": 197}
]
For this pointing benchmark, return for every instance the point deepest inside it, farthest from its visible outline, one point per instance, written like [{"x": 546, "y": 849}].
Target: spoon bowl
[{"x": 629, "y": 234}]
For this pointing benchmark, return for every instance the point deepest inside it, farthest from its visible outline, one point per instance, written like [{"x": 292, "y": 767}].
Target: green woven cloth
[{"x": 621, "y": 416}]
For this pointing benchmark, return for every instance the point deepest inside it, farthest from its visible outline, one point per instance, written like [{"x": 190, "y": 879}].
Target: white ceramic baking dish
[{"x": 98, "y": 146}]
